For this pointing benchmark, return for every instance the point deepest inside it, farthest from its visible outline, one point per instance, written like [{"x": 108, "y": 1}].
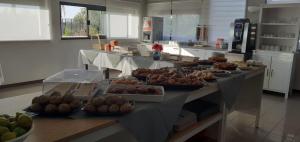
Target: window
[
  {"x": 282, "y": 1},
  {"x": 24, "y": 20},
  {"x": 125, "y": 26},
  {"x": 118, "y": 25},
  {"x": 174, "y": 26},
  {"x": 81, "y": 20}
]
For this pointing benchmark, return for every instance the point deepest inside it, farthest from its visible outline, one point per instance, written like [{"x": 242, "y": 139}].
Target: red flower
[{"x": 157, "y": 47}]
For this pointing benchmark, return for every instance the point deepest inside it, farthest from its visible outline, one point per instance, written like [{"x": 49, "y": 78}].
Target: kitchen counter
[
  {"x": 186, "y": 46},
  {"x": 204, "y": 48}
]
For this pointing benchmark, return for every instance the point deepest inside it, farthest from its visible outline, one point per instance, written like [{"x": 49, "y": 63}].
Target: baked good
[
  {"x": 64, "y": 108},
  {"x": 54, "y": 104},
  {"x": 134, "y": 89},
  {"x": 98, "y": 101},
  {"x": 205, "y": 62},
  {"x": 203, "y": 75},
  {"x": 174, "y": 80},
  {"x": 143, "y": 73},
  {"x": 126, "y": 82},
  {"x": 126, "y": 108},
  {"x": 111, "y": 104},
  {"x": 36, "y": 107},
  {"x": 225, "y": 66},
  {"x": 103, "y": 109},
  {"x": 90, "y": 108},
  {"x": 51, "y": 109},
  {"x": 217, "y": 59},
  {"x": 186, "y": 64}
]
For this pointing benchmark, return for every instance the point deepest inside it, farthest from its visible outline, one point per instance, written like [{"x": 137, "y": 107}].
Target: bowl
[{"x": 23, "y": 137}]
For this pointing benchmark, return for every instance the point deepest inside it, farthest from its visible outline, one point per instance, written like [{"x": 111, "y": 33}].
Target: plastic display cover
[{"x": 75, "y": 76}]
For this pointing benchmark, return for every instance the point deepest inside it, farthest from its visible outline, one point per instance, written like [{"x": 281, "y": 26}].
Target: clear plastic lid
[{"x": 75, "y": 76}]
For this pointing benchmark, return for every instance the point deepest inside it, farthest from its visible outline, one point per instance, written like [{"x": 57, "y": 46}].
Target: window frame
[{"x": 88, "y": 7}]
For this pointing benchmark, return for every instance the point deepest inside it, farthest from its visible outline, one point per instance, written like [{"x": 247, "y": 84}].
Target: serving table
[
  {"x": 97, "y": 128},
  {"x": 122, "y": 62}
]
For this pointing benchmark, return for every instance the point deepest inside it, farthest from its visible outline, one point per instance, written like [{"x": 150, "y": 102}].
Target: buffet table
[
  {"x": 96, "y": 128},
  {"x": 118, "y": 61}
]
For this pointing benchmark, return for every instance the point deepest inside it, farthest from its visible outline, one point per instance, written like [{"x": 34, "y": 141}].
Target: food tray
[
  {"x": 185, "y": 64},
  {"x": 109, "y": 113},
  {"x": 140, "y": 97},
  {"x": 222, "y": 74},
  {"x": 183, "y": 87},
  {"x": 205, "y": 62},
  {"x": 180, "y": 87},
  {"x": 30, "y": 112},
  {"x": 142, "y": 78}
]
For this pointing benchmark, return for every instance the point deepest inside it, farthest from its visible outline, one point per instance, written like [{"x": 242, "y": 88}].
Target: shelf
[
  {"x": 261, "y": 50},
  {"x": 207, "y": 90},
  {"x": 279, "y": 24},
  {"x": 282, "y": 38},
  {"x": 186, "y": 134}
]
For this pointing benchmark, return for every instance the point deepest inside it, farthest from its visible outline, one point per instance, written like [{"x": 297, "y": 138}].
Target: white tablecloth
[
  {"x": 1, "y": 76},
  {"x": 120, "y": 62}
]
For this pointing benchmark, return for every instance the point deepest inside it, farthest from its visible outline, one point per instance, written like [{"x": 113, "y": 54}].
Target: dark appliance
[{"x": 243, "y": 38}]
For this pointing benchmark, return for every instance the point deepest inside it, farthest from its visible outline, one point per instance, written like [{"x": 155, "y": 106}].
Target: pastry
[
  {"x": 126, "y": 82},
  {"x": 225, "y": 66},
  {"x": 55, "y": 104},
  {"x": 205, "y": 62},
  {"x": 51, "y": 109},
  {"x": 217, "y": 59},
  {"x": 36, "y": 108},
  {"x": 203, "y": 75},
  {"x": 102, "y": 109},
  {"x": 126, "y": 108},
  {"x": 114, "y": 108},
  {"x": 110, "y": 105},
  {"x": 68, "y": 98},
  {"x": 64, "y": 108},
  {"x": 98, "y": 101},
  {"x": 175, "y": 80},
  {"x": 133, "y": 89}
]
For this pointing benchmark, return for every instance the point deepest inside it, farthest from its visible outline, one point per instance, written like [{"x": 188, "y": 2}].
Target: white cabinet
[
  {"x": 280, "y": 73},
  {"x": 279, "y": 68},
  {"x": 266, "y": 60}
]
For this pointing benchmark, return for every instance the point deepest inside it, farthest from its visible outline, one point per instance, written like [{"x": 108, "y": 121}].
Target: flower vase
[{"x": 156, "y": 55}]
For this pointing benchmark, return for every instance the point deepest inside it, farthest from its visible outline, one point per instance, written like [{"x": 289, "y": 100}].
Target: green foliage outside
[{"x": 77, "y": 25}]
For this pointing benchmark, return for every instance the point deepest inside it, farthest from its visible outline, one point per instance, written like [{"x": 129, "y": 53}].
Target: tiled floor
[
  {"x": 279, "y": 122},
  {"x": 280, "y": 119}
]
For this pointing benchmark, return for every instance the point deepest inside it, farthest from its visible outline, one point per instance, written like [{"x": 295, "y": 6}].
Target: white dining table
[{"x": 122, "y": 62}]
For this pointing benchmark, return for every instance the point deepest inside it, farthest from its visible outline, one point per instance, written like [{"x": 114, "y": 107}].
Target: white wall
[
  {"x": 34, "y": 60},
  {"x": 221, "y": 13},
  {"x": 217, "y": 14}
]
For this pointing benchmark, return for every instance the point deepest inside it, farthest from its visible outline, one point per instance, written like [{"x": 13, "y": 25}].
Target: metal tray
[{"x": 140, "y": 97}]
